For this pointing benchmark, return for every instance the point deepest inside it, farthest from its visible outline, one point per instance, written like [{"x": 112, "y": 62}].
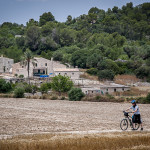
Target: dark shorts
[{"x": 136, "y": 118}]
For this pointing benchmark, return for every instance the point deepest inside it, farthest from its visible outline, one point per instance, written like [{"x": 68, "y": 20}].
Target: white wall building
[
  {"x": 73, "y": 73},
  {"x": 44, "y": 66},
  {"x": 6, "y": 64},
  {"x": 105, "y": 89}
]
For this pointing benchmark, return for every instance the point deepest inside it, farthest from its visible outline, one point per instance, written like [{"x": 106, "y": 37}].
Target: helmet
[{"x": 133, "y": 101}]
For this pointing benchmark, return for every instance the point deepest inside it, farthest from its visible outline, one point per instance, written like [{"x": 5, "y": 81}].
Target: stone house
[
  {"x": 44, "y": 66},
  {"x": 105, "y": 89},
  {"x": 6, "y": 64},
  {"x": 114, "y": 88},
  {"x": 73, "y": 73}
]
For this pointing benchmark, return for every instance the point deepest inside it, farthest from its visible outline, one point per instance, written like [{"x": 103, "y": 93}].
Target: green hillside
[{"x": 107, "y": 43}]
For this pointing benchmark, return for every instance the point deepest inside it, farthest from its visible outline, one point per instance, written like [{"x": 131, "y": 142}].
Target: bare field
[
  {"x": 28, "y": 124},
  {"x": 23, "y": 116}
]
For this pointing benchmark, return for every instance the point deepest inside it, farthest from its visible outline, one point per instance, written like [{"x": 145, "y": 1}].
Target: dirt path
[{"x": 22, "y": 116}]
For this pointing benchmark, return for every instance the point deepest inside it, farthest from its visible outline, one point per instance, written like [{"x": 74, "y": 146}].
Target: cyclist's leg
[
  {"x": 141, "y": 122},
  {"x": 133, "y": 121}
]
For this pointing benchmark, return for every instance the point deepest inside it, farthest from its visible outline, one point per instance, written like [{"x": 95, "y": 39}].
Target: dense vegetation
[{"x": 116, "y": 41}]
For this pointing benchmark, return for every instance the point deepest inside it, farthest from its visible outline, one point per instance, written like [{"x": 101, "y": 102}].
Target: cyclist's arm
[
  {"x": 128, "y": 109},
  {"x": 135, "y": 110}
]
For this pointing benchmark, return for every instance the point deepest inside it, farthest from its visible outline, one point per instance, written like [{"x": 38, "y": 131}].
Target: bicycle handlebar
[{"x": 127, "y": 112}]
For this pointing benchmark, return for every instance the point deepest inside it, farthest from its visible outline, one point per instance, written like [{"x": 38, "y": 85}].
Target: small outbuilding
[{"x": 73, "y": 73}]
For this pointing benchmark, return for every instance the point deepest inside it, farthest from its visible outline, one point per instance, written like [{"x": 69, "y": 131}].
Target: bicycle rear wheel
[
  {"x": 124, "y": 124},
  {"x": 136, "y": 126}
]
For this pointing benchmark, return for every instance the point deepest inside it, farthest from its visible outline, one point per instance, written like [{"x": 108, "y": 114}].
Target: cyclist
[{"x": 136, "y": 118}]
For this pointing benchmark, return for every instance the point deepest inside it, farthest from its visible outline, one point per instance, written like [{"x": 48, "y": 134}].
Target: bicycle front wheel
[{"x": 124, "y": 124}]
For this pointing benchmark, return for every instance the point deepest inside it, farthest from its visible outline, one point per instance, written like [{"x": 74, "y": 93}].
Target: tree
[
  {"x": 32, "y": 22},
  {"x": 108, "y": 64},
  {"x": 67, "y": 37},
  {"x": 45, "y": 87},
  {"x": 33, "y": 38},
  {"x": 93, "y": 10},
  {"x": 27, "y": 59},
  {"x": 58, "y": 56},
  {"x": 106, "y": 75},
  {"x": 75, "y": 94},
  {"x": 47, "y": 55},
  {"x": 46, "y": 17},
  {"x": 142, "y": 72},
  {"x": 79, "y": 58},
  {"x": 69, "y": 19},
  {"x": 93, "y": 60},
  {"x": 61, "y": 84}
]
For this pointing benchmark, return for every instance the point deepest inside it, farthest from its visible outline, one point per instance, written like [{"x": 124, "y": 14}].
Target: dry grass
[
  {"x": 126, "y": 79},
  {"x": 102, "y": 98},
  {"x": 52, "y": 96},
  {"x": 107, "y": 141},
  {"x": 90, "y": 77},
  {"x": 2, "y": 95}
]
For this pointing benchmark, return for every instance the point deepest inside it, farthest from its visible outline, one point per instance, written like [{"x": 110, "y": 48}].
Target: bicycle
[{"x": 128, "y": 120}]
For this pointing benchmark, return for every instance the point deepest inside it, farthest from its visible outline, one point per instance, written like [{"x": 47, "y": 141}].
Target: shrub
[
  {"x": 21, "y": 76},
  {"x": 19, "y": 92},
  {"x": 48, "y": 85},
  {"x": 110, "y": 96},
  {"x": 62, "y": 98},
  {"x": 4, "y": 86},
  {"x": 44, "y": 88},
  {"x": 34, "y": 89},
  {"x": 28, "y": 88},
  {"x": 92, "y": 71},
  {"x": 141, "y": 100},
  {"x": 54, "y": 98},
  {"x": 148, "y": 98},
  {"x": 98, "y": 97},
  {"x": 16, "y": 75},
  {"x": 75, "y": 94}
]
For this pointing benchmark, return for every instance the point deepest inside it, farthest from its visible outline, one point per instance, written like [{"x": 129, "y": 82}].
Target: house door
[{"x": 38, "y": 71}]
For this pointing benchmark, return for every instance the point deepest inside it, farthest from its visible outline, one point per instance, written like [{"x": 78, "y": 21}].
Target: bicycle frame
[{"x": 129, "y": 118}]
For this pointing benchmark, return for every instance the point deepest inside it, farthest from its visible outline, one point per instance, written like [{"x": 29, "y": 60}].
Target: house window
[
  {"x": 22, "y": 66},
  {"x": 45, "y": 64},
  {"x": 92, "y": 91},
  {"x": 115, "y": 90},
  {"x": 107, "y": 90},
  {"x": 122, "y": 89},
  {"x": 65, "y": 73},
  {"x": 36, "y": 64},
  {"x": 59, "y": 73},
  {"x": 72, "y": 73}
]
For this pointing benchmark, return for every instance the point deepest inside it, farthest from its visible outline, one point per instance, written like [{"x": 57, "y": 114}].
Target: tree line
[{"x": 107, "y": 43}]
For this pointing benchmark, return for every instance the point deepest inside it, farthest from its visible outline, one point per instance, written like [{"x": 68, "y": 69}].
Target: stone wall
[{"x": 5, "y": 64}]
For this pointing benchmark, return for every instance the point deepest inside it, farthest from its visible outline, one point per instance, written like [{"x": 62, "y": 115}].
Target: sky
[{"x": 20, "y": 11}]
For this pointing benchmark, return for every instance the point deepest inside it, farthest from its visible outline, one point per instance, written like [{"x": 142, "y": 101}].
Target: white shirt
[{"x": 135, "y": 108}]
